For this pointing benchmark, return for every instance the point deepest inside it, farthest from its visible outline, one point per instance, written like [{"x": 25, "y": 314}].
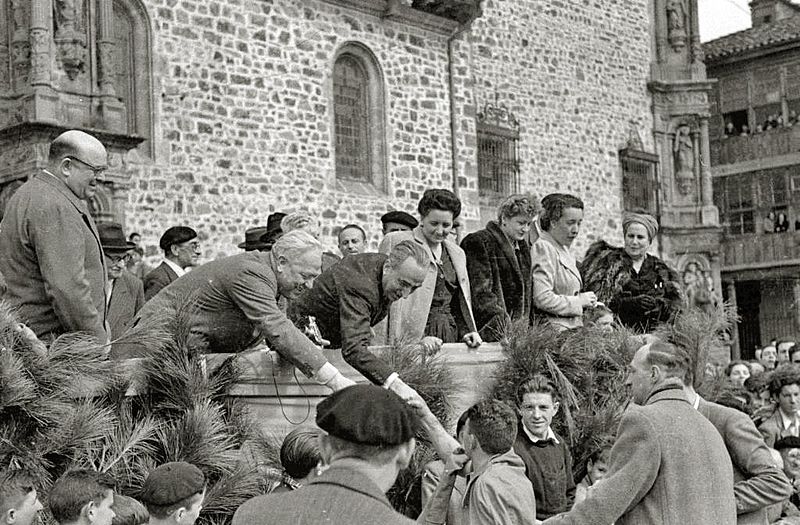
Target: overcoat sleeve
[
  {"x": 256, "y": 295},
  {"x": 764, "y": 483},
  {"x": 545, "y": 265},
  {"x": 635, "y": 462},
  {"x": 354, "y": 319},
  {"x": 53, "y": 234}
]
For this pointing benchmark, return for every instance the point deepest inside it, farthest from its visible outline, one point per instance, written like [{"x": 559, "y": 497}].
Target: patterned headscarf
[{"x": 645, "y": 219}]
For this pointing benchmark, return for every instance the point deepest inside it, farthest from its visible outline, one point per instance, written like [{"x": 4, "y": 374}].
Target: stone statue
[
  {"x": 66, "y": 16},
  {"x": 699, "y": 287},
  {"x": 19, "y": 15},
  {"x": 676, "y": 23},
  {"x": 683, "y": 153}
]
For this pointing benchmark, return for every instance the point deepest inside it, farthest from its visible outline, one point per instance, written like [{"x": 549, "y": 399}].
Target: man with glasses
[
  {"x": 52, "y": 259},
  {"x": 124, "y": 291},
  {"x": 181, "y": 250}
]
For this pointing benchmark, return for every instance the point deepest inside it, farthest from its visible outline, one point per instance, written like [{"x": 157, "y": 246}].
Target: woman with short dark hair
[
  {"x": 499, "y": 265},
  {"x": 442, "y": 307},
  {"x": 556, "y": 279}
]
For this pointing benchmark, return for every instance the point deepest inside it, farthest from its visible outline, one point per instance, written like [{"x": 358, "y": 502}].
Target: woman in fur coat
[{"x": 638, "y": 287}]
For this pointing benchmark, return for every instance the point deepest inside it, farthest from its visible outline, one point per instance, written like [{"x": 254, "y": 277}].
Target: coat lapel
[{"x": 567, "y": 262}]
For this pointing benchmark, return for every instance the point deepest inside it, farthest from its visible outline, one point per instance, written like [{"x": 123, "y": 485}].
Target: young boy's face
[
  {"x": 537, "y": 410},
  {"x": 597, "y": 469}
]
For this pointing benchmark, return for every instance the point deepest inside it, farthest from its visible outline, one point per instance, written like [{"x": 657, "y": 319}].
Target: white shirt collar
[
  {"x": 550, "y": 435},
  {"x": 787, "y": 420},
  {"x": 175, "y": 268}
]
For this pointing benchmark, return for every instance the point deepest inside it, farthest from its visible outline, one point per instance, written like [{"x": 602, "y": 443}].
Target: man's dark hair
[
  {"x": 439, "y": 199},
  {"x": 553, "y": 207},
  {"x": 134, "y": 234},
  {"x": 405, "y": 249},
  {"x": 14, "y": 487},
  {"x": 352, "y": 227},
  {"x": 538, "y": 384},
  {"x": 300, "y": 451},
  {"x": 786, "y": 375},
  {"x": 75, "y": 489},
  {"x": 793, "y": 350},
  {"x": 129, "y": 511},
  {"x": 494, "y": 425}
]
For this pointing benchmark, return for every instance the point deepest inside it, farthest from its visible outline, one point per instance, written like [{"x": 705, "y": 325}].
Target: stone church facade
[{"x": 219, "y": 113}]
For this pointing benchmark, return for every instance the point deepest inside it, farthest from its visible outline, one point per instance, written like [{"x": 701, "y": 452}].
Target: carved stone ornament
[
  {"x": 40, "y": 56},
  {"x": 684, "y": 159},
  {"x": 698, "y": 283},
  {"x": 497, "y": 114},
  {"x": 676, "y": 24},
  {"x": 69, "y": 39},
  {"x": 20, "y": 15}
]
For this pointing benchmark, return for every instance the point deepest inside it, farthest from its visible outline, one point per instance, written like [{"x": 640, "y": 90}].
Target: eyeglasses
[
  {"x": 116, "y": 259},
  {"x": 95, "y": 169}
]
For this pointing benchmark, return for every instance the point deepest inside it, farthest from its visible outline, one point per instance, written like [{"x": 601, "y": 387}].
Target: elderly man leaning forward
[
  {"x": 669, "y": 465},
  {"x": 351, "y": 297},
  {"x": 52, "y": 260},
  {"x": 233, "y": 303}
]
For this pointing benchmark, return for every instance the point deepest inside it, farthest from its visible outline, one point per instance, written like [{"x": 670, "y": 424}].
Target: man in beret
[
  {"x": 173, "y": 493},
  {"x": 51, "y": 259},
  {"x": 181, "y": 250},
  {"x": 232, "y": 304},
  {"x": 398, "y": 221},
  {"x": 371, "y": 438}
]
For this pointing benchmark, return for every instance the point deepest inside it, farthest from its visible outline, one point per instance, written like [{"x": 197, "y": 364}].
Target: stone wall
[{"x": 244, "y": 119}]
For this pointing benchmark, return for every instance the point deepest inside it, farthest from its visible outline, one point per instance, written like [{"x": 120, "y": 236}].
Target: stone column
[
  {"x": 797, "y": 305},
  {"x": 41, "y": 48},
  {"x": 105, "y": 46},
  {"x": 736, "y": 352},
  {"x": 705, "y": 164}
]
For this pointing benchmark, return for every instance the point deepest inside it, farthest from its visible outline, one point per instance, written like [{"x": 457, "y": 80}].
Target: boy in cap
[
  {"x": 19, "y": 502},
  {"x": 370, "y": 440},
  {"x": 173, "y": 493}
]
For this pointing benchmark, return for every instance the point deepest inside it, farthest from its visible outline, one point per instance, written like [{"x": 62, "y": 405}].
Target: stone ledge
[{"x": 396, "y": 11}]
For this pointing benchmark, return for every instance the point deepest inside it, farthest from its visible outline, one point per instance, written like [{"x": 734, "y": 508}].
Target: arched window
[
  {"x": 358, "y": 114},
  {"x": 131, "y": 70}
]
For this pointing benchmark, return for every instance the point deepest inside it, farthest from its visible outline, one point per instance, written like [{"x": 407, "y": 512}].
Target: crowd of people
[
  {"x": 677, "y": 458},
  {"x": 772, "y": 121}
]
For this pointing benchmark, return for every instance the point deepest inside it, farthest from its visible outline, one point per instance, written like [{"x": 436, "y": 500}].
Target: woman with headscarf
[{"x": 638, "y": 287}]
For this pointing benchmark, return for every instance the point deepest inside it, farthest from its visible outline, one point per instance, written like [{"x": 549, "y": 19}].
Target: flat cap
[
  {"x": 367, "y": 415},
  {"x": 787, "y": 442},
  {"x": 400, "y": 217},
  {"x": 171, "y": 483},
  {"x": 176, "y": 235}
]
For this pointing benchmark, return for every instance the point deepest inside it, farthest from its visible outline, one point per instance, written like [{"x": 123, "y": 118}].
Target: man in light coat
[
  {"x": 669, "y": 465},
  {"x": 52, "y": 260},
  {"x": 231, "y": 304}
]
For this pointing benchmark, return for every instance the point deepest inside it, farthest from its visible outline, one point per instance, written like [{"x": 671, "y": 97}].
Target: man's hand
[
  {"x": 406, "y": 392},
  {"x": 456, "y": 462},
  {"x": 26, "y": 334},
  {"x": 473, "y": 340},
  {"x": 430, "y": 345}
]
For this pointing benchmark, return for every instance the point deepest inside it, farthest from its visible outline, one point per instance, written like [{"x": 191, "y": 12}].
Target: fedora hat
[
  {"x": 273, "y": 228},
  {"x": 112, "y": 238},
  {"x": 252, "y": 239}
]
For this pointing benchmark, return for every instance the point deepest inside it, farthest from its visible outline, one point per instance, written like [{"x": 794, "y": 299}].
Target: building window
[
  {"x": 498, "y": 142},
  {"x": 734, "y": 197},
  {"x": 358, "y": 119},
  {"x": 639, "y": 185}
]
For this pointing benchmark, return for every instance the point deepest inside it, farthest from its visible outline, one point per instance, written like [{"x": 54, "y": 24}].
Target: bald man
[{"x": 52, "y": 259}]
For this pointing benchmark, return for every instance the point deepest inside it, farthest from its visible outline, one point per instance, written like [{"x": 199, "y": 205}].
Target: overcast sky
[{"x": 722, "y": 17}]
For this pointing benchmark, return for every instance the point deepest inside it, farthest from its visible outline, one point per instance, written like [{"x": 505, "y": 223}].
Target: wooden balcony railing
[
  {"x": 771, "y": 143},
  {"x": 761, "y": 249}
]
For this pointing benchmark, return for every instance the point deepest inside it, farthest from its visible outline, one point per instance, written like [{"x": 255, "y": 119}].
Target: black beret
[
  {"x": 171, "y": 483},
  {"x": 368, "y": 415},
  {"x": 787, "y": 442},
  {"x": 400, "y": 217},
  {"x": 176, "y": 235}
]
